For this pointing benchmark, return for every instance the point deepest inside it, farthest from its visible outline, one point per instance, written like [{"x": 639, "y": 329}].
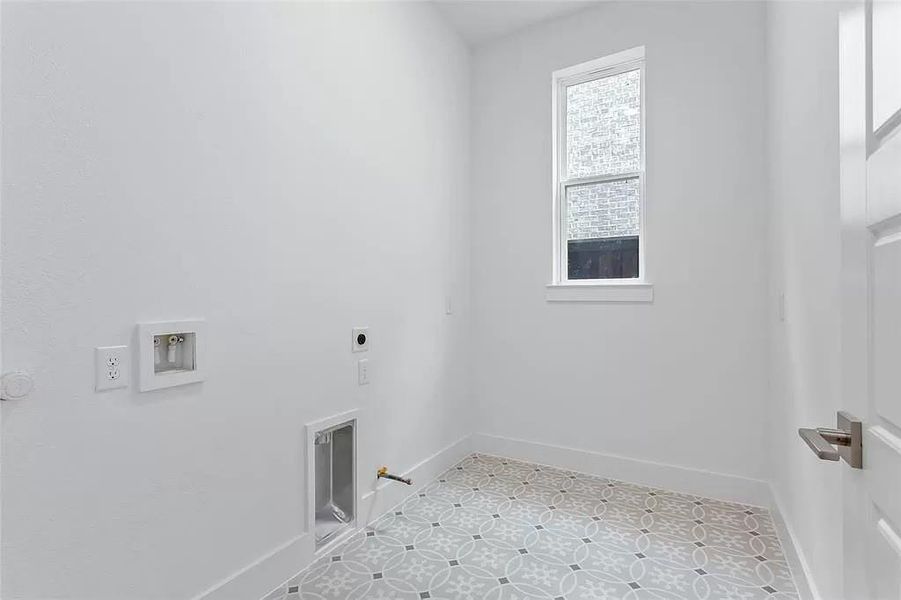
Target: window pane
[
  {"x": 602, "y": 229},
  {"x": 603, "y": 126}
]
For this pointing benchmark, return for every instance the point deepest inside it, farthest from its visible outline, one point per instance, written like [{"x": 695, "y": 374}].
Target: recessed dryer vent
[{"x": 334, "y": 481}]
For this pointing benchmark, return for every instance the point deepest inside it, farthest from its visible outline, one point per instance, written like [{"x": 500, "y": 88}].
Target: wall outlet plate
[
  {"x": 360, "y": 339},
  {"x": 186, "y": 366},
  {"x": 363, "y": 371},
  {"x": 112, "y": 369}
]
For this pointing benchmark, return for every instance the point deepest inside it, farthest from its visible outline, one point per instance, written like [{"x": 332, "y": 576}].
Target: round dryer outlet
[{"x": 360, "y": 339}]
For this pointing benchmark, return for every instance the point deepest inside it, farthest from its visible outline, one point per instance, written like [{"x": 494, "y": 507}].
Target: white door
[{"x": 870, "y": 61}]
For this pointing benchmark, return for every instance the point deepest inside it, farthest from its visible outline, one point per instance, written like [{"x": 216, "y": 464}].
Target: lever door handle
[
  {"x": 845, "y": 441},
  {"x": 822, "y": 448}
]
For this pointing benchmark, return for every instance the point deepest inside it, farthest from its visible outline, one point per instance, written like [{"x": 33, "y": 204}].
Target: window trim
[{"x": 614, "y": 64}]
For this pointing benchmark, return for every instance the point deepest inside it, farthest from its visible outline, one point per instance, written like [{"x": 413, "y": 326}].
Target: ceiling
[{"x": 480, "y": 21}]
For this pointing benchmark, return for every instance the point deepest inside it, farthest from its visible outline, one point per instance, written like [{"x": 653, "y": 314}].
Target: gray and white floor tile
[{"x": 497, "y": 529}]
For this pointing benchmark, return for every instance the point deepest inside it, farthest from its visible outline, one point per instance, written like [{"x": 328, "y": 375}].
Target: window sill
[{"x": 626, "y": 291}]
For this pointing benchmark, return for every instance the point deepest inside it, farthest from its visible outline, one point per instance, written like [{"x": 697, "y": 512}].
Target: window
[{"x": 599, "y": 171}]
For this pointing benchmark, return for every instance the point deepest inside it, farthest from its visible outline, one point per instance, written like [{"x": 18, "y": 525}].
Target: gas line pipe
[{"x": 384, "y": 474}]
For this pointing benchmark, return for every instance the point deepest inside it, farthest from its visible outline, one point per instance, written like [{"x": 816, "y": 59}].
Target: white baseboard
[
  {"x": 797, "y": 562},
  {"x": 387, "y": 494},
  {"x": 292, "y": 557},
  {"x": 289, "y": 559},
  {"x": 253, "y": 580},
  {"x": 680, "y": 479}
]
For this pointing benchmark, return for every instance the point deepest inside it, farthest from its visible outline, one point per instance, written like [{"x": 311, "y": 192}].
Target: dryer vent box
[{"x": 333, "y": 454}]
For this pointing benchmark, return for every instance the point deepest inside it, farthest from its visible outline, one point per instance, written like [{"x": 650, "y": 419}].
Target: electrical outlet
[{"x": 111, "y": 368}]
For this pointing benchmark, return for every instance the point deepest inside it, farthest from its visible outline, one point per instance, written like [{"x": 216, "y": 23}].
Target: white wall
[
  {"x": 802, "y": 45},
  {"x": 286, "y": 171},
  {"x": 681, "y": 381},
  {"x": 289, "y": 184}
]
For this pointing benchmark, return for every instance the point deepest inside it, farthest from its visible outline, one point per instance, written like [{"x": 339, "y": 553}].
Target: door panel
[
  {"x": 871, "y": 98},
  {"x": 883, "y": 473},
  {"x": 883, "y": 557},
  {"x": 886, "y": 58},
  {"x": 883, "y": 185},
  {"x": 882, "y": 449},
  {"x": 887, "y": 325}
]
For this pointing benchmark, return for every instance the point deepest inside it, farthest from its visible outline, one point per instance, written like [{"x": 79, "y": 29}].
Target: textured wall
[
  {"x": 805, "y": 266},
  {"x": 621, "y": 378},
  {"x": 166, "y": 160}
]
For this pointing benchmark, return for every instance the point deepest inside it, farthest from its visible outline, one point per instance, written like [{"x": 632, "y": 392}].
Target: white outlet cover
[
  {"x": 363, "y": 371},
  {"x": 357, "y": 332},
  {"x": 112, "y": 368}
]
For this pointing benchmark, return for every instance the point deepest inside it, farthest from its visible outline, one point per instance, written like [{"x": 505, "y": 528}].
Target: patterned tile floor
[{"x": 497, "y": 529}]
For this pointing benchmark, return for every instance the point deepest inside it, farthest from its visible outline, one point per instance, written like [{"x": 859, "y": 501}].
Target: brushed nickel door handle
[
  {"x": 818, "y": 444},
  {"x": 844, "y": 441}
]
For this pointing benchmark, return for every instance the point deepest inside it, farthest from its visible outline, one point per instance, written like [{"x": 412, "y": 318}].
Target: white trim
[
  {"x": 383, "y": 495},
  {"x": 624, "y": 290},
  {"x": 732, "y": 488},
  {"x": 589, "y": 179},
  {"x": 628, "y": 60},
  {"x": 889, "y": 126},
  {"x": 600, "y": 64},
  {"x": 886, "y": 437},
  {"x": 791, "y": 546},
  {"x": 259, "y": 575},
  {"x": 699, "y": 482},
  {"x": 890, "y": 536},
  {"x": 289, "y": 559}
]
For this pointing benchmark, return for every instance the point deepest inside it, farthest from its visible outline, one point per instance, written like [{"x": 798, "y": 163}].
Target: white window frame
[{"x": 561, "y": 287}]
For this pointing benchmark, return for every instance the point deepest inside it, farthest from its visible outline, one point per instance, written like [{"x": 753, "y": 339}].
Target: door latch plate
[{"x": 853, "y": 452}]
